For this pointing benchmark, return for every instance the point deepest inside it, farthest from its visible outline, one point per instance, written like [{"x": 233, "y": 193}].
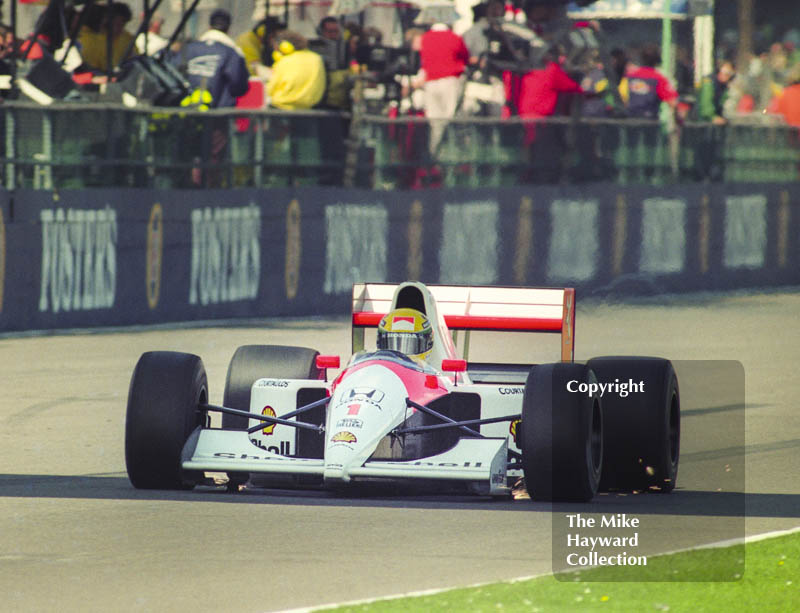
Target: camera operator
[{"x": 476, "y": 38}]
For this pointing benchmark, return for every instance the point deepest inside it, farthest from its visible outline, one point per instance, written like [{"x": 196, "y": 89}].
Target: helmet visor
[{"x": 408, "y": 343}]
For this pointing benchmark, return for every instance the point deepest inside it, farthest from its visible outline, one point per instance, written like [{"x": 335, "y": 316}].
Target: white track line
[{"x": 352, "y": 603}]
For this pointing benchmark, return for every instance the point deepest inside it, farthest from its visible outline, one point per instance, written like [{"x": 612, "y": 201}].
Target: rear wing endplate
[{"x": 507, "y": 309}]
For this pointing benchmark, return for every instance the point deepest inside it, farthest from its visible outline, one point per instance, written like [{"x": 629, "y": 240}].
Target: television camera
[{"x": 517, "y": 48}]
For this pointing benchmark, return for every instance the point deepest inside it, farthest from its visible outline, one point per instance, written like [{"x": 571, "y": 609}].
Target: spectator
[
  {"x": 539, "y": 90},
  {"x": 684, "y": 73},
  {"x": 352, "y": 35},
  {"x": 443, "y": 57},
  {"x": 537, "y": 94},
  {"x": 256, "y": 45},
  {"x": 477, "y": 37},
  {"x": 214, "y": 63},
  {"x": 332, "y": 45},
  {"x": 151, "y": 42},
  {"x": 94, "y": 42},
  {"x": 6, "y": 60},
  {"x": 599, "y": 101},
  {"x": 713, "y": 93},
  {"x": 333, "y": 49},
  {"x": 647, "y": 87},
  {"x": 751, "y": 89},
  {"x": 788, "y": 103},
  {"x": 298, "y": 75}
]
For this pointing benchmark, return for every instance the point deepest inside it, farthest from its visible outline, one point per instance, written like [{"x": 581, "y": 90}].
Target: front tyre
[
  {"x": 643, "y": 429},
  {"x": 253, "y": 362},
  {"x": 562, "y": 434},
  {"x": 165, "y": 392}
]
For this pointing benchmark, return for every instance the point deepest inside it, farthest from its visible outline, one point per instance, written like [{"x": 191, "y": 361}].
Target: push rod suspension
[
  {"x": 430, "y": 411},
  {"x": 267, "y": 418},
  {"x": 317, "y": 403},
  {"x": 457, "y": 424}
]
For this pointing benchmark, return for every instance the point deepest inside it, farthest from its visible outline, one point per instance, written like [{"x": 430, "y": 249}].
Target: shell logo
[
  {"x": 269, "y": 412},
  {"x": 344, "y": 437},
  {"x": 513, "y": 429}
]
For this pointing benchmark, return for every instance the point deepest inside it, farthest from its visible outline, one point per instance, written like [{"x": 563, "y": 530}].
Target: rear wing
[{"x": 508, "y": 309}]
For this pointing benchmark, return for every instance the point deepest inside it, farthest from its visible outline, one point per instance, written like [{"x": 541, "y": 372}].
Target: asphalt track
[{"x": 75, "y": 536}]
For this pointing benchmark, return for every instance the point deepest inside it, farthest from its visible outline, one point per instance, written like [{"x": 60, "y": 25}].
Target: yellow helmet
[{"x": 407, "y": 331}]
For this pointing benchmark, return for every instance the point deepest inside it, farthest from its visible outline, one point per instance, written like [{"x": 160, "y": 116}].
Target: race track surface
[{"x": 75, "y": 536}]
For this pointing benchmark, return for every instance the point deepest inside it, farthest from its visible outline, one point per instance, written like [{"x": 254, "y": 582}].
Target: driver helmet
[{"x": 407, "y": 331}]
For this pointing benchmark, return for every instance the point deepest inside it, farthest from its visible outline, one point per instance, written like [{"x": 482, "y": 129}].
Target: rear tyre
[
  {"x": 253, "y": 362},
  {"x": 165, "y": 391},
  {"x": 562, "y": 434},
  {"x": 642, "y": 430}
]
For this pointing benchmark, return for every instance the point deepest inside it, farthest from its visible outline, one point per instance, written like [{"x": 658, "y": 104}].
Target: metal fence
[{"x": 77, "y": 146}]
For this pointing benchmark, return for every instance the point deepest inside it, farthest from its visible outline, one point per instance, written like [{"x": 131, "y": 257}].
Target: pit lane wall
[{"x": 98, "y": 257}]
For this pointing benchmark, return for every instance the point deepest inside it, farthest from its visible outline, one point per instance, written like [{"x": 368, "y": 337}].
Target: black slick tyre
[
  {"x": 562, "y": 435},
  {"x": 165, "y": 391},
  {"x": 642, "y": 429},
  {"x": 253, "y": 362}
]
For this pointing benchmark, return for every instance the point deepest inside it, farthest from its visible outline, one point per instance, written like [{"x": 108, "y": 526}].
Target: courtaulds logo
[
  {"x": 344, "y": 437},
  {"x": 269, "y": 412},
  {"x": 514, "y": 429}
]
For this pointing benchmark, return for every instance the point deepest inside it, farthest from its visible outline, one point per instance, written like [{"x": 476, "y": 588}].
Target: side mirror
[
  {"x": 324, "y": 362},
  {"x": 327, "y": 361},
  {"x": 454, "y": 365}
]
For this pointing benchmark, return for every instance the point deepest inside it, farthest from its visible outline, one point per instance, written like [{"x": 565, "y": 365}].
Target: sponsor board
[
  {"x": 79, "y": 259},
  {"x": 469, "y": 252},
  {"x": 226, "y": 254},
  {"x": 745, "y": 231},
  {"x": 569, "y": 259},
  {"x": 663, "y": 247},
  {"x": 356, "y": 247}
]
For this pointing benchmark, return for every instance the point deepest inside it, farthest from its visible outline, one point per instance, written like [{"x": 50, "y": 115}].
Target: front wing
[{"x": 482, "y": 461}]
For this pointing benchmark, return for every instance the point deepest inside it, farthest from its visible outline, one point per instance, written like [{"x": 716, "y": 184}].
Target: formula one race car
[{"x": 413, "y": 410}]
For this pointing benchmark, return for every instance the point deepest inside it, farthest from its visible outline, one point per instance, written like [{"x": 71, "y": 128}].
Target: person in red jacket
[
  {"x": 540, "y": 89},
  {"x": 535, "y": 94},
  {"x": 443, "y": 58},
  {"x": 788, "y": 104}
]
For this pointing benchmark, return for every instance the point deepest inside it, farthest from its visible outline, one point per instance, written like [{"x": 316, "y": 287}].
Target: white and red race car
[{"x": 570, "y": 429}]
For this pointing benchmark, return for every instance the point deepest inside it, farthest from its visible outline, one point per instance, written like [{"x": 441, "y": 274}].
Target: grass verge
[{"x": 770, "y": 583}]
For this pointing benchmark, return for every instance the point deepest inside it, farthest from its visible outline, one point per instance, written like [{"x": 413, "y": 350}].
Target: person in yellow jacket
[
  {"x": 298, "y": 74},
  {"x": 93, "y": 42},
  {"x": 256, "y": 45}
]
